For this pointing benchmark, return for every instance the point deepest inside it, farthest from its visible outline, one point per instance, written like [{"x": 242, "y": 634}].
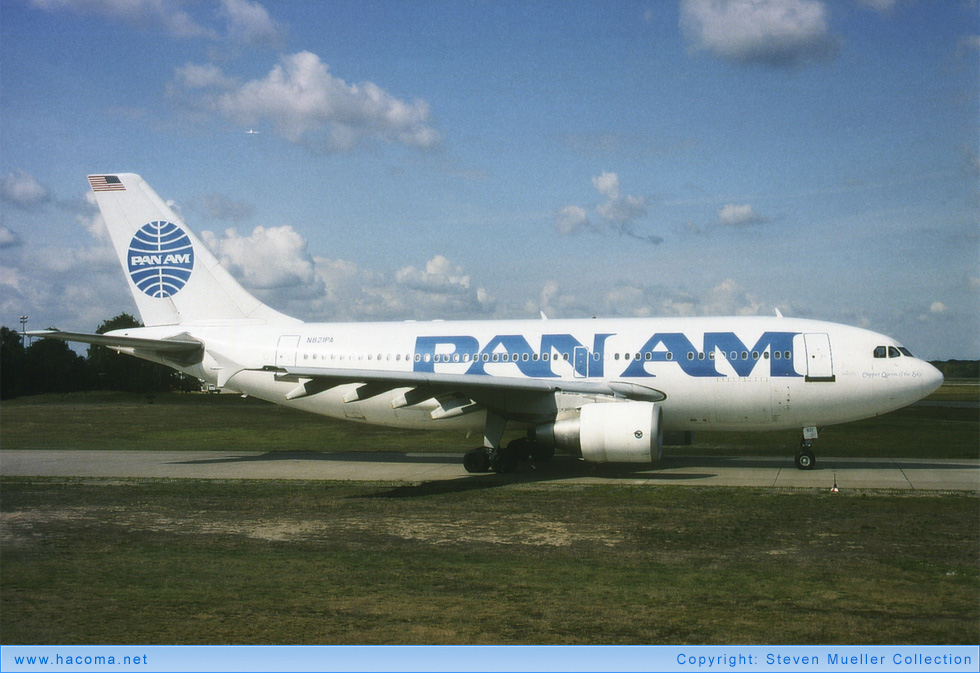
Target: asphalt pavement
[{"x": 764, "y": 472}]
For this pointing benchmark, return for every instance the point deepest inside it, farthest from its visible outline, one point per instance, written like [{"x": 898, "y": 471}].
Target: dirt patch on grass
[{"x": 535, "y": 530}]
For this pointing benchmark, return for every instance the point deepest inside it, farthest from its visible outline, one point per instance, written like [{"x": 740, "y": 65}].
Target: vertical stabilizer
[{"x": 174, "y": 278}]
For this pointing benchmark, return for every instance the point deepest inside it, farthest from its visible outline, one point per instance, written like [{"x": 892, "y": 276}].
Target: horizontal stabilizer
[{"x": 179, "y": 344}]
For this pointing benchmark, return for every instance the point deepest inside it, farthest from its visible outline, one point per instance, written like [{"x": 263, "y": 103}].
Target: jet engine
[{"x": 622, "y": 432}]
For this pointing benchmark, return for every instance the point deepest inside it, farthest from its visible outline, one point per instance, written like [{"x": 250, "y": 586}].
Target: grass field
[
  {"x": 501, "y": 561},
  {"x": 265, "y": 562}
]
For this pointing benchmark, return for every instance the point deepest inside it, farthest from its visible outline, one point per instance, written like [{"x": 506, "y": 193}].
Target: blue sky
[{"x": 423, "y": 160}]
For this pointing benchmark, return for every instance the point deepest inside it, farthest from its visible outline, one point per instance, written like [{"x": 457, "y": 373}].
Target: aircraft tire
[
  {"x": 504, "y": 461},
  {"x": 805, "y": 460},
  {"x": 476, "y": 461}
]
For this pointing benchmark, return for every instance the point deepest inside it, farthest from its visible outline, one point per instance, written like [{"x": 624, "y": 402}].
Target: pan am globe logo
[{"x": 161, "y": 258}]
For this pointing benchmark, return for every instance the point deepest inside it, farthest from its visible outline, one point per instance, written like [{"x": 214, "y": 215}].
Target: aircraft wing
[{"x": 483, "y": 390}]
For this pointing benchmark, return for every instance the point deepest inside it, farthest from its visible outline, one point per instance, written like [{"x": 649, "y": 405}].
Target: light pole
[{"x": 23, "y": 328}]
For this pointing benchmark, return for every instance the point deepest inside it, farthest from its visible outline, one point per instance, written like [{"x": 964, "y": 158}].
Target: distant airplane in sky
[
  {"x": 251, "y": 132},
  {"x": 602, "y": 389}
]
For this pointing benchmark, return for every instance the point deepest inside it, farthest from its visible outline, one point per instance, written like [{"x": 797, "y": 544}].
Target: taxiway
[{"x": 764, "y": 472}]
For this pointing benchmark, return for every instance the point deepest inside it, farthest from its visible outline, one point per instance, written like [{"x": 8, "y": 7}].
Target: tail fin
[{"x": 174, "y": 278}]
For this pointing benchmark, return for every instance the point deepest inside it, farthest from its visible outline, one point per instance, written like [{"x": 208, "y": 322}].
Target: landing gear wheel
[
  {"x": 504, "y": 461},
  {"x": 476, "y": 461},
  {"x": 805, "y": 460}
]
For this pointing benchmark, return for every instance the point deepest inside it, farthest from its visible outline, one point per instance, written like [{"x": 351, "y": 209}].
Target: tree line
[{"x": 51, "y": 366}]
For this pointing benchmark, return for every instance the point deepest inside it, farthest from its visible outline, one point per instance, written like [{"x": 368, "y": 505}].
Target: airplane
[
  {"x": 251, "y": 132},
  {"x": 603, "y": 390}
]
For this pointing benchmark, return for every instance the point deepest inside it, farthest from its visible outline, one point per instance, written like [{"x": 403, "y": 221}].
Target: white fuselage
[{"x": 737, "y": 373}]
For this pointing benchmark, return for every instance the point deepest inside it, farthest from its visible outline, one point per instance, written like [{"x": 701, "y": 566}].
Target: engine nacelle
[{"x": 615, "y": 432}]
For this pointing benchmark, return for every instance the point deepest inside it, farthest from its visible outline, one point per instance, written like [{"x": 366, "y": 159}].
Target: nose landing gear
[{"x": 805, "y": 460}]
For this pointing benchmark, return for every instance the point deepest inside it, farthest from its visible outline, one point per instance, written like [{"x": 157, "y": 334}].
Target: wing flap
[{"x": 433, "y": 383}]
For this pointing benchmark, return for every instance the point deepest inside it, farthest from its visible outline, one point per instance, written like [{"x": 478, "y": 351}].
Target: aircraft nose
[{"x": 932, "y": 378}]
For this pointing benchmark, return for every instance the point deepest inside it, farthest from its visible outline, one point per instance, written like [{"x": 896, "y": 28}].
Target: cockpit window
[{"x": 892, "y": 352}]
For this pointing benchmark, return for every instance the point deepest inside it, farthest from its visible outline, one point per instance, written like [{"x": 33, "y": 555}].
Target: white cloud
[
  {"x": 67, "y": 287},
  {"x": 730, "y": 298},
  {"x": 240, "y": 21},
  {"x": 142, "y": 14},
  {"x": 558, "y": 303},
  {"x": 90, "y": 217},
  {"x": 22, "y": 190},
  {"x": 938, "y": 308},
  {"x": 273, "y": 258},
  {"x": 726, "y": 298},
  {"x": 442, "y": 287},
  {"x": 607, "y": 184},
  {"x": 571, "y": 220},
  {"x": 733, "y": 215},
  {"x": 250, "y": 23},
  {"x": 307, "y": 105},
  {"x": 617, "y": 208},
  {"x": 617, "y": 214},
  {"x": 9, "y": 238},
  {"x": 766, "y": 32},
  {"x": 273, "y": 262}
]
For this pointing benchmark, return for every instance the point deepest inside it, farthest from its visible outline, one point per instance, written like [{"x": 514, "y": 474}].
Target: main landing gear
[
  {"x": 505, "y": 459},
  {"x": 805, "y": 460}
]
